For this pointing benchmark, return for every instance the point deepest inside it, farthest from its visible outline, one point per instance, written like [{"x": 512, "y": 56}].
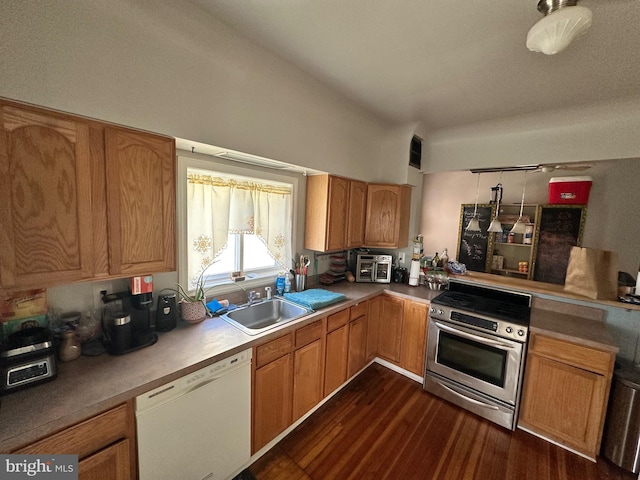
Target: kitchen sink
[{"x": 258, "y": 317}]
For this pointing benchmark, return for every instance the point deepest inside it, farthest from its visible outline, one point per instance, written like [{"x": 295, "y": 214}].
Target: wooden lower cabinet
[
  {"x": 373, "y": 327},
  {"x": 565, "y": 393},
  {"x": 109, "y": 463},
  {"x": 307, "y": 378},
  {"x": 390, "y": 328},
  {"x": 336, "y": 356},
  {"x": 272, "y": 387},
  {"x": 105, "y": 445},
  {"x": 357, "y": 345},
  {"x": 414, "y": 337}
]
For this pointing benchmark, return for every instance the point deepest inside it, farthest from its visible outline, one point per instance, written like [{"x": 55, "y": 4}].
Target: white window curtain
[{"x": 218, "y": 206}]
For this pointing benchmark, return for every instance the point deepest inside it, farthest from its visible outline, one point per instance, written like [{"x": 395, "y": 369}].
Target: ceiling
[{"x": 445, "y": 63}]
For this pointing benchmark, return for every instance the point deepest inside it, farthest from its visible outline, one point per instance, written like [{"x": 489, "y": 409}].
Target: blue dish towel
[{"x": 315, "y": 298}]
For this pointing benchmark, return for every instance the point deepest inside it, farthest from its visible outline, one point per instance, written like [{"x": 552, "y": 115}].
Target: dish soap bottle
[
  {"x": 287, "y": 283},
  {"x": 444, "y": 258},
  {"x": 280, "y": 281},
  {"x": 435, "y": 261}
]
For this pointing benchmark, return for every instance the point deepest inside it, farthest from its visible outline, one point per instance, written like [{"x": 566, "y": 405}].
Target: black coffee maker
[{"x": 126, "y": 322}]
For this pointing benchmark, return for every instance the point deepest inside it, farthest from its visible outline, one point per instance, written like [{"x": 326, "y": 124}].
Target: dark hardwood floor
[{"x": 384, "y": 426}]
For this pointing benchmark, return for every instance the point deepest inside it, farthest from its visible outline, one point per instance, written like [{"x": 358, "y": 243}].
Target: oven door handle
[
  {"x": 486, "y": 341},
  {"x": 468, "y": 399}
]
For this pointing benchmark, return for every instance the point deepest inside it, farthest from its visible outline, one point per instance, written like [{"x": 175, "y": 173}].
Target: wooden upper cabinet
[
  {"x": 45, "y": 191},
  {"x": 141, "y": 198},
  {"x": 326, "y": 212},
  {"x": 356, "y": 215},
  {"x": 388, "y": 212}
]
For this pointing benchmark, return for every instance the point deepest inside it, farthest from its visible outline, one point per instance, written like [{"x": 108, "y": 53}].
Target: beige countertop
[{"x": 90, "y": 385}]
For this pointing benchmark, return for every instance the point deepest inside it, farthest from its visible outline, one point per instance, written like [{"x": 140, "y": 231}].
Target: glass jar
[{"x": 69, "y": 347}]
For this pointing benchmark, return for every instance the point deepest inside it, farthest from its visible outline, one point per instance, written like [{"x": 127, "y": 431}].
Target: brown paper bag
[{"x": 592, "y": 273}]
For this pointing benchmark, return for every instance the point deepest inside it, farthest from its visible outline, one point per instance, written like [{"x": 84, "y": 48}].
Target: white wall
[
  {"x": 167, "y": 66},
  {"x": 587, "y": 133}
]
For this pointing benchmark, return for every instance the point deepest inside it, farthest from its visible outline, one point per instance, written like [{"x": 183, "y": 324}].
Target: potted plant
[{"x": 193, "y": 305}]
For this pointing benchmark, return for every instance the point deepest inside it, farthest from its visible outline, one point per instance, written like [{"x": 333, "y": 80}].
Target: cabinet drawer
[
  {"x": 337, "y": 320},
  {"x": 359, "y": 310},
  {"x": 86, "y": 437},
  {"x": 579, "y": 356},
  {"x": 308, "y": 333},
  {"x": 273, "y": 349}
]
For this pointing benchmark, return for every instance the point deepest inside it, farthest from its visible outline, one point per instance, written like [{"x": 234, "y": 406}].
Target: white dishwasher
[{"x": 199, "y": 426}]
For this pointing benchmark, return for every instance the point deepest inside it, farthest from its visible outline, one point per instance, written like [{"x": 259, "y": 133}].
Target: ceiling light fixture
[
  {"x": 520, "y": 226},
  {"x": 563, "y": 21},
  {"x": 474, "y": 223}
]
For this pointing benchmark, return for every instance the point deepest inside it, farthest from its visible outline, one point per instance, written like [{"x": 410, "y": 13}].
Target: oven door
[
  {"x": 366, "y": 270},
  {"x": 383, "y": 272},
  {"x": 481, "y": 361}
]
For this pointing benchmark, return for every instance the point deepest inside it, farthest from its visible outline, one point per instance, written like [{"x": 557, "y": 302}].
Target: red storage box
[{"x": 570, "y": 190}]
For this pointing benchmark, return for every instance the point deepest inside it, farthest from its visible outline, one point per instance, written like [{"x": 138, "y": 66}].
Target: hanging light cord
[
  {"x": 475, "y": 210},
  {"x": 524, "y": 187}
]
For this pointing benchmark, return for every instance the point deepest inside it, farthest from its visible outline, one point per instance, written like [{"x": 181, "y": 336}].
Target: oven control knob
[
  {"x": 440, "y": 311},
  {"x": 432, "y": 310},
  {"x": 509, "y": 329},
  {"x": 521, "y": 332}
]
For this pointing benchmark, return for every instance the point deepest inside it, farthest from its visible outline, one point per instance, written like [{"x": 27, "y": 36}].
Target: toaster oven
[{"x": 374, "y": 268}]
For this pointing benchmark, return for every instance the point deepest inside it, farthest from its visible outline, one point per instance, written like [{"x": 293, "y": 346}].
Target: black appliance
[
  {"x": 126, "y": 322},
  {"x": 166, "y": 314},
  {"x": 476, "y": 348},
  {"x": 400, "y": 275},
  {"x": 27, "y": 358}
]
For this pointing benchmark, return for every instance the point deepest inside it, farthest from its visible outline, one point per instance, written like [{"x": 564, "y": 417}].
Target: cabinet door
[
  {"x": 564, "y": 403},
  {"x": 388, "y": 211},
  {"x": 390, "y": 328},
  {"x": 111, "y": 463},
  {"x": 141, "y": 202},
  {"x": 357, "y": 345},
  {"x": 45, "y": 192},
  {"x": 337, "y": 214},
  {"x": 414, "y": 337},
  {"x": 272, "y": 401},
  {"x": 356, "y": 215},
  {"x": 375, "y": 310},
  {"x": 335, "y": 369},
  {"x": 307, "y": 378}
]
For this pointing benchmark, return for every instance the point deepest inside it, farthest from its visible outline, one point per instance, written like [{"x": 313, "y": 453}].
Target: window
[{"x": 234, "y": 220}]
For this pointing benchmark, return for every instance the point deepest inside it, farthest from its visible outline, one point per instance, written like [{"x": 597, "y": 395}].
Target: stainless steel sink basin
[{"x": 258, "y": 317}]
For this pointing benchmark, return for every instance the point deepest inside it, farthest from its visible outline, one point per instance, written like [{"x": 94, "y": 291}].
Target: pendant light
[
  {"x": 520, "y": 226},
  {"x": 474, "y": 223},
  {"x": 562, "y": 22},
  {"x": 495, "y": 226}
]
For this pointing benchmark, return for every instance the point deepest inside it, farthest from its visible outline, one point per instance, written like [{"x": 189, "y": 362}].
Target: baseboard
[{"x": 547, "y": 439}]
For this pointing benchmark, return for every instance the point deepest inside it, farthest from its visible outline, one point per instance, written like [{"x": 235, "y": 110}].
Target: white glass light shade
[
  {"x": 519, "y": 227},
  {"x": 556, "y": 31},
  {"x": 474, "y": 224},
  {"x": 495, "y": 226}
]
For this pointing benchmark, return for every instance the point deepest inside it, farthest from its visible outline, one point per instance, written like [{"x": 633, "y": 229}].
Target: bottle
[
  {"x": 280, "y": 283},
  {"x": 435, "y": 262},
  {"x": 444, "y": 259},
  {"x": 287, "y": 283}
]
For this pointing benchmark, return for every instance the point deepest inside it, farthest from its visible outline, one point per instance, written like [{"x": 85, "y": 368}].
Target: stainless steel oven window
[
  {"x": 382, "y": 270},
  {"x": 472, "y": 358}
]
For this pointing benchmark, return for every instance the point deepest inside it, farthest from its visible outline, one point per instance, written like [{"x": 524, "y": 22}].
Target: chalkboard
[
  {"x": 474, "y": 246},
  {"x": 559, "y": 228}
]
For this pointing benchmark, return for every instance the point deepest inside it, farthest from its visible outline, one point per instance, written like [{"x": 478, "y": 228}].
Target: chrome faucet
[{"x": 253, "y": 296}]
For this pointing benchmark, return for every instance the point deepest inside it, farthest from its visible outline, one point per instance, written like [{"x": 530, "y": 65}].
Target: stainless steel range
[{"x": 476, "y": 349}]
